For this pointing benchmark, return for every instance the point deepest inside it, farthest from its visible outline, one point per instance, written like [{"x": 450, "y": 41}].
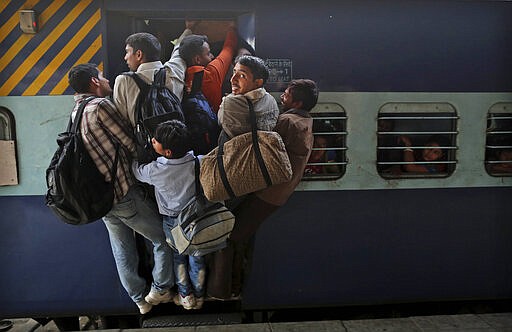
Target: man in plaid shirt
[{"x": 103, "y": 128}]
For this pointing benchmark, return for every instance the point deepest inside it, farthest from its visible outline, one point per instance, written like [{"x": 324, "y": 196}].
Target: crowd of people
[
  {"x": 109, "y": 120},
  {"x": 150, "y": 196}
]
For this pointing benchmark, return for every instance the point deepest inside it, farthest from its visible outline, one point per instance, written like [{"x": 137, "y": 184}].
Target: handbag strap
[
  {"x": 220, "y": 164},
  {"x": 257, "y": 152},
  {"x": 256, "y": 145},
  {"x": 199, "y": 190},
  {"x": 197, "y": 167}
]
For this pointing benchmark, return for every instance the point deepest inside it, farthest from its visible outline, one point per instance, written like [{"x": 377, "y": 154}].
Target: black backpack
[
  {"x": 155, "y": 104},
  {"x": 77, "y": 191},
  {"x": 200, "y": 119}
]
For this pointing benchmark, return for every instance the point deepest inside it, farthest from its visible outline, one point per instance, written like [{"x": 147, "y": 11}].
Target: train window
[
  {"x": 498, "y": 148},
  {"x": 327, "y": 160},
  {"x": 416, "y": 140},
  {"x": 8, "y": 168}
]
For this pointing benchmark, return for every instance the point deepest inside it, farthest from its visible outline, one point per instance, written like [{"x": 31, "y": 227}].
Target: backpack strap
[
  {"x": 159, "y": 78},
  {"x": 143, "y": 86},
  {"x": 73, "y": 126},
  {"x": 197, "y": 82},
  {"x": 113, "y": 171}
]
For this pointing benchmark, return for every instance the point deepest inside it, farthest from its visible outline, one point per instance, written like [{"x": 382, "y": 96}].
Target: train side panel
[
  {"x": 357, "y": 239},
  {"x": 401, "y": 246}
]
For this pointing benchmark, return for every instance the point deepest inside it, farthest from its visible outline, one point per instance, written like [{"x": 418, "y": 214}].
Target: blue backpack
[{"x": 200, "y": 119}]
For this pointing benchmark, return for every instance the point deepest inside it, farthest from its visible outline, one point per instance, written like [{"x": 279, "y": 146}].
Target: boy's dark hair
[
  {"x": 439, "y": 139},
  {"x": 80, "y": 76},
  {"x": 306, "y": 91},
  {"x": 257, "y": 66},
  {"x": 174, "y": 135},
  {"x": 147, "y": 44},
  {"x": 191, "y": 46}
]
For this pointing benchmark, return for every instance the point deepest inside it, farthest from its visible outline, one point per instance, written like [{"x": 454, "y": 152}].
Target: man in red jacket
[{"x": 195, "y": 50}]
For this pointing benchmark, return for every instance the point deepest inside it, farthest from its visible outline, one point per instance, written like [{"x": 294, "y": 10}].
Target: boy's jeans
[
  {"x": 190, "y": 271},
  {"x": 136, "y": 212}
]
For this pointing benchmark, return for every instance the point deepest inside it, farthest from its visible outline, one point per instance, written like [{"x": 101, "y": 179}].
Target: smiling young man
[{"x": 249, "y": 75}]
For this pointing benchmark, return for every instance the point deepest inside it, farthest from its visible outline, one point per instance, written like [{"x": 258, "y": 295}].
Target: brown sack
[{"x": 241, "y": 165}]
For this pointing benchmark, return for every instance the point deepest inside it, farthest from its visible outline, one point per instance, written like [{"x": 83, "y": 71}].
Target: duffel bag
[{"x": 246, "y": 163}]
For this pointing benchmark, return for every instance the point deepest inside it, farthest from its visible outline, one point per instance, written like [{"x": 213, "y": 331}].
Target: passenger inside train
[
  {"x": 406, "y": 136},
  {"x": 499, "y": 144},
  {"x": 432, "y": 152},
  {"x": 388, "y": 156},
  {"x": 505, "y": 164},
  {"x": 321, "y": 155}
]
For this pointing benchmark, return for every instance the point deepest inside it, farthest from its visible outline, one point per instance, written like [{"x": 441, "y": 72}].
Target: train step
[{"x": 193, "y": 320}]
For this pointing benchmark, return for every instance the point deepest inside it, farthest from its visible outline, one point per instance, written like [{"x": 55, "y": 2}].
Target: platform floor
[{"x": 500, "y": 322}]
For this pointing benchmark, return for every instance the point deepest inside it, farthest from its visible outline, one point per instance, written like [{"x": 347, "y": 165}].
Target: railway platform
[{"x": 489, "y": 322}]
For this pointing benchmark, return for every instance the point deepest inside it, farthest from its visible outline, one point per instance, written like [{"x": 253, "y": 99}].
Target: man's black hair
[
  {"x": 147, "y": 44},
  {"x": 174, "y": 135},
  {"x": 191, "y": 46},
  {"x": 257, "y": 66},
  {"x": 306, "y": 91},
  {"x": 80, "y": 76}
]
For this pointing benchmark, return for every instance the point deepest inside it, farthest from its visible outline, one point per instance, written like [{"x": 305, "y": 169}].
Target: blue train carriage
[{"x": 360, "y": 229}]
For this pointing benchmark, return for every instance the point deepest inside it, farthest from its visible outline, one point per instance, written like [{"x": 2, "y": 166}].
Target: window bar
[
  {"x": 328, "y": 164},
  {"x": 418, "y": 118},
  {"x": 499, "y": 146},
  {"x": 416, "y": 162},
  {"x": 500, "y": 132},
  {"x": 418, "y": 132},
  {"x": 416, "y": 147},
  {"x": 330, "y": 149}
]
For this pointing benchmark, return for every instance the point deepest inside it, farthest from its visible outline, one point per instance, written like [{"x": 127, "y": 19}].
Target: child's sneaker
[
  {"x": 188, "y": 302},
  {"x": 144, "y": 307},
  {"x": 199, "y": 303},
  {"x": 155, "y": 297}
]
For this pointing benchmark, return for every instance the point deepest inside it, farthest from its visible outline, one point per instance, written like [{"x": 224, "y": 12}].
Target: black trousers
[{"x": 228, "y": 266}]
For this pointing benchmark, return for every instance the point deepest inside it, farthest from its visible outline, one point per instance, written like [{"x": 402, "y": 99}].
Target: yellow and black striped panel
[{"x": 37, "y": 64}]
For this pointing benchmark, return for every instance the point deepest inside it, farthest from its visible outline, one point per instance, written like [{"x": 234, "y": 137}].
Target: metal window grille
[
  {"x": 430, "y": 129},
  {"x": 498, "y": 147},
  {"x": 328, "y": 157}
]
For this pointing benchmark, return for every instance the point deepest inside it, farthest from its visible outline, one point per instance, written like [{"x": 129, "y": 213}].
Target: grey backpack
[{"x": 202, "y": 227}]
